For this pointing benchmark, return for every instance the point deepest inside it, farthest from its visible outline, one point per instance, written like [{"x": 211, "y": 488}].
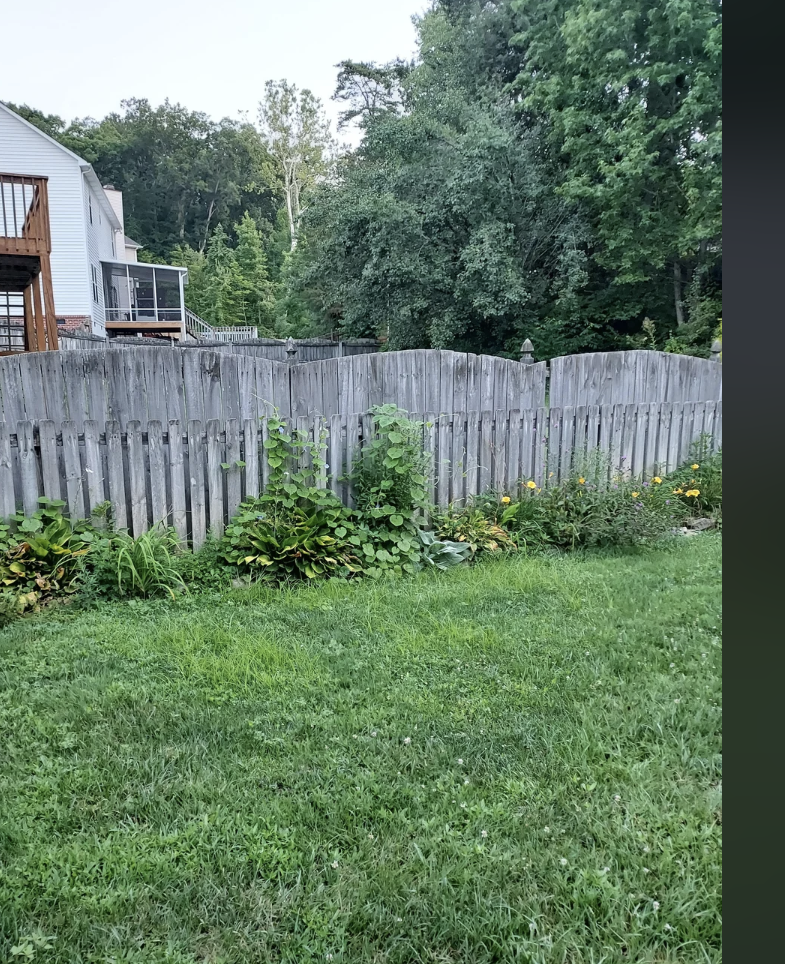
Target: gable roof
[{"x": 87, "y": 169}]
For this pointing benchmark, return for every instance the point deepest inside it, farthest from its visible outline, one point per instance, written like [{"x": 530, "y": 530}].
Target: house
[{"x": 99, "y": 286}]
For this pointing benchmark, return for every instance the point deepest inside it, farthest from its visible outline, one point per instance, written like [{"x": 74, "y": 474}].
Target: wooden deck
[{"x": 27, "y": 308}]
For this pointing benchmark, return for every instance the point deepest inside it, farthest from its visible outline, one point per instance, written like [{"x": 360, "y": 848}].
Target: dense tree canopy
[{"x": 543, "y": 168}]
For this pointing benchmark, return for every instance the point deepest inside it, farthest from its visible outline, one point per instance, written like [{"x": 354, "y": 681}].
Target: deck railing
[{"x": 24, "y": 215}]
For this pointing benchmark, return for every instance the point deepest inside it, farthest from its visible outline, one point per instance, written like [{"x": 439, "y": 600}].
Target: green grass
[{"x": 228, "y": 778}]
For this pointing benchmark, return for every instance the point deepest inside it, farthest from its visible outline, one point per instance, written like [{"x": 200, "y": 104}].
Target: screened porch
[{"x": 144, "y": 298}]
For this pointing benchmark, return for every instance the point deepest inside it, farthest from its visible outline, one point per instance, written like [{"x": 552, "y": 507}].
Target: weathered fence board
[
  {"x": 151, "y": 477},
  {"x": 621, "y": 377}
]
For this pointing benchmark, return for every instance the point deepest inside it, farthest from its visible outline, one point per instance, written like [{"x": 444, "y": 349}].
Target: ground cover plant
[{"x": 518, "y": 761}]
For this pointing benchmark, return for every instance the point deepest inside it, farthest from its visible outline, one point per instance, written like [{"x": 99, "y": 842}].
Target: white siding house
[{"x": 90, "y": 251}]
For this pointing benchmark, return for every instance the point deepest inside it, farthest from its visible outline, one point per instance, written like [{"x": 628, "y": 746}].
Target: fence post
[
  {"x": 716, "y": 350},
  {"x": 526, "y": 352}
]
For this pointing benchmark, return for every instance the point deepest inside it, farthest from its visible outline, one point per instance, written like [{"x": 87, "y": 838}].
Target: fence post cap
[
  {"x": 526, "y": 352},
  {"x": 716, "y": 348},
  {"x": 291, "y": 348}
]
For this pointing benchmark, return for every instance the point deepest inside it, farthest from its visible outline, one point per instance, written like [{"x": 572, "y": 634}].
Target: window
[
  {"x": 94, "y": 274},
  {"x": 90, "y": 207}
]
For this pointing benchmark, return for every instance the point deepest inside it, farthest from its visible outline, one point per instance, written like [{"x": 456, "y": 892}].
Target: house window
[
  {"x": 94, "y": 275},
  {"x": 90, "y": 207}
]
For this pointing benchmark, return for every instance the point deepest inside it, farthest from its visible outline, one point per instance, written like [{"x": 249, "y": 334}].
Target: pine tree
[{"x": 256, "y": 290}]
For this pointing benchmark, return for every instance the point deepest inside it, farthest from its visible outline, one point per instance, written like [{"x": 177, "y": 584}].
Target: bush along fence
[{"x": 194, "y": 476}]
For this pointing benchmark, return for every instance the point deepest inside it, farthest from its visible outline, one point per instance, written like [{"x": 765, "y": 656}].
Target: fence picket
[
  {"x": 251, "y": 458},
  {"x": 177, "y": 481},
  {"x": 136, "y": 477},
  {"x": 234, "y": 474},
  {"x": 215, "y": 478},
  {"x": 73, "y": 470},
  {"x": 157, "y": 463},
  {"x": 7, "y": 502},
  {"x": 49, "y": 468},
  {"x": 197, "y": 484},
  {"x": 116, "y": 474}
]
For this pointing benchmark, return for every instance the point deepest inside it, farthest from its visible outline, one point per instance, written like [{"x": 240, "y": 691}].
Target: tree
[
  {"x": 256, "y": 291},
  {"x": 630, "y": 92},
  {"x": 297, "y": 134},
  {"x": 369, "y": 88},
  {"x": 445, "y": 229},
  {"x": 223, "y": 282},
  {"x": 179, "y": 171}
]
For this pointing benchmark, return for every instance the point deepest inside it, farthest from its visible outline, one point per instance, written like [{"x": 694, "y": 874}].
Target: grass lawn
[{"x": 516, "y": 762}]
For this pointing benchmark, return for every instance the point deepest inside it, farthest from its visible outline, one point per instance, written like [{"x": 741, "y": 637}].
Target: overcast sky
[{"x": 210, "y": 55}]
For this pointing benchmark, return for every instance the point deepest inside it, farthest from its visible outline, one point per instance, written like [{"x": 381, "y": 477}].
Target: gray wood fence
[
  {"x": 173, "y": 471},
  {"x": 611, "y": 377},
  {"x": 146, "y": 384},
  {"x": 139, "y": 384},
  {"x": 308, "y": 349},
  {"x": 426, "y": 380}
]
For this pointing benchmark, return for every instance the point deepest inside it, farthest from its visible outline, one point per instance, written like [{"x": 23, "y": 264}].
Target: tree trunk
[
  {"x": 677, "y": 293},
  {"x": 289, "y": 188}
]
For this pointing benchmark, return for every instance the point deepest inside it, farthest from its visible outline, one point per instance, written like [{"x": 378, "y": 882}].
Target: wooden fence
[
  {"x": 173, "y": 472},
  {"x": 147, "y": 384},
  {"x": 307, "y": 349},
  {"x": 141, "y": 384},
  {"x": 611, "y": 377}
]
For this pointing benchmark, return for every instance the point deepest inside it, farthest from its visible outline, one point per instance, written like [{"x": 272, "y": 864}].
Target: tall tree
[
  {"x": 630, "y": 93},
  {"x": 179, "y": 171},
  {"x": 297, "y": 134},
  {"x": 444, "y": 229},
  {"x": 368, "y": 88},
  {"x": 257, "y": 292}
]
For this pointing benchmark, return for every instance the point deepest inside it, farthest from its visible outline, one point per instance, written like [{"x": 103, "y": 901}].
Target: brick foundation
[{"x": 74, "y": 325}]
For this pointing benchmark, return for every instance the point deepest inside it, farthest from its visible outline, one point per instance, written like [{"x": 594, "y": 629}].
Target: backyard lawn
[{"x": 515, "y": 762}]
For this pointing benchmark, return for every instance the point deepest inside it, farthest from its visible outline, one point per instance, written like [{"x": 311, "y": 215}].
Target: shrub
[
  {"x": 143, "y": 566},
  {"x": 41, "y": 556},
  {"x": 697, "y": 484},
  {"x": 471, "y": 527},
  {"x": 295, "y": 529},
  {"x": 278, "y": 541},
  {"x": 443, "y": 554},
  {"x": 389, "y": 477}
]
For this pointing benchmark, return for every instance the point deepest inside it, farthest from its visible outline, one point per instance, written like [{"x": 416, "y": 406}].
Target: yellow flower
[
  {"x": 656, "y": 480},
  {"x": 694, "y": 466},
  {"x": 581, "y": 481},
  {"x": 505, "y": 499},
  {"x": 550, "y": 475},
  {"x": 678, "y": 491},
  {"x": 531, "y": 484},
  {"x": 635, "y": 495},
  {"x": 693, "y": 492}
]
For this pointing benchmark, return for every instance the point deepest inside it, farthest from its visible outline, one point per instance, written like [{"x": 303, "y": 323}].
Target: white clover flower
[
  {"x": 645, "y": 870},
  {"x": 370, "y": 836},
  {"x": 407, "y": 740},
  {"x": 460, "y": 762},
  {"x": 656, "y": 905},
  {"x": 483, "y": 833},
  {"x": 563, "y": 861},
  {"x": 617, "y": 798},
  {"x": 668, "y": 927},
  {"x": 373, "y": 732},
  {"x": 546, "y": 829},
  {"x": 334, "y": 865},
  {"x": 466, "y": 783}
]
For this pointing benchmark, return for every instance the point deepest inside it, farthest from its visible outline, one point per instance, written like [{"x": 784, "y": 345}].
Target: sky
[{"x": 208, "y": 55}]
